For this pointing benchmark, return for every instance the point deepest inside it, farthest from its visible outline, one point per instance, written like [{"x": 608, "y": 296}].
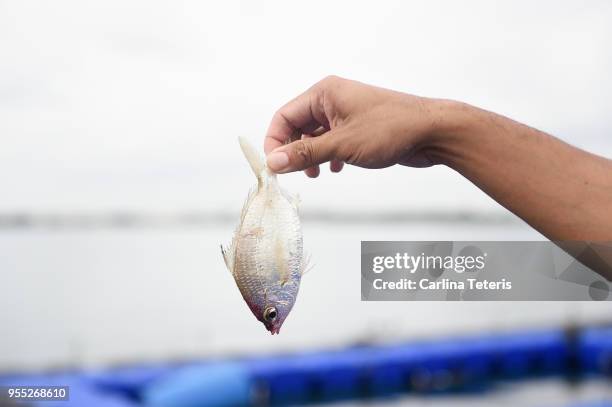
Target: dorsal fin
[{"x": 229, "y": 251}]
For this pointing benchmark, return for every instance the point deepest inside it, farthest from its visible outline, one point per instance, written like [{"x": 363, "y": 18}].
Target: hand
[
  {"x": 344, "y": 121},
  {"x": 523, "y": 169}
]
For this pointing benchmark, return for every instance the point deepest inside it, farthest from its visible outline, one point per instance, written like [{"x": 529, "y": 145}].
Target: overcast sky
[{"x": 137, "y": 105}]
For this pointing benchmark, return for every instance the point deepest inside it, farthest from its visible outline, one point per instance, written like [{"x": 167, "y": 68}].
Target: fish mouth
[{"x": 274, "y": 330}]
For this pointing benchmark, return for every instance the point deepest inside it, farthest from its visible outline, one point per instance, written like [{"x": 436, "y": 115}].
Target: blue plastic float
[{"x": 436, "y": 367}]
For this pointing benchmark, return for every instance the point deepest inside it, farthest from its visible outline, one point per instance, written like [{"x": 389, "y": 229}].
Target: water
[
  {"x": 138, "y": 107},
  {"x": 97, "y": 297},
  {"x": 547, "y": 392}
]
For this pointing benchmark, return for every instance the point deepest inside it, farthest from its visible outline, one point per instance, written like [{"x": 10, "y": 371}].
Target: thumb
[{"x": 302, "y": 154}]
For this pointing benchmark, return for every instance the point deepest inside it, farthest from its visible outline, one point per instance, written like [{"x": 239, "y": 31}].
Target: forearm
[{"x": 562, "y": 191}]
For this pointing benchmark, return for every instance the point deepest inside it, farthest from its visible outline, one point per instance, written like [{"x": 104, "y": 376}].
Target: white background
[{"x": 137, "y": 105}]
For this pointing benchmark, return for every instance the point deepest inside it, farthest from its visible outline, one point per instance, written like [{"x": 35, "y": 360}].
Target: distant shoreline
[{"x": 128, "y": 219}]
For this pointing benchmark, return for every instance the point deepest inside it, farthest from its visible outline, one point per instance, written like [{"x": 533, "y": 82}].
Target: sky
[{"x": 137, "y": 105}]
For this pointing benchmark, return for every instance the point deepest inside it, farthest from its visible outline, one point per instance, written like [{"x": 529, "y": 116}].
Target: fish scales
[{"x": 266, "y": 254}]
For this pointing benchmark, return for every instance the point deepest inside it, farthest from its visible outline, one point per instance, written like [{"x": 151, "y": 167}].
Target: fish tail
[{"x": 253, "y": 157}]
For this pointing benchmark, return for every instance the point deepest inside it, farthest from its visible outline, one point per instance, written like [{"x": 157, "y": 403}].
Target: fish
[{"x": 266, "y": 255}]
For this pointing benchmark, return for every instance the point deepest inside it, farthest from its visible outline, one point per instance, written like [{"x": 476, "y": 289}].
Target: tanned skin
[{"x": 563, "y": 192}]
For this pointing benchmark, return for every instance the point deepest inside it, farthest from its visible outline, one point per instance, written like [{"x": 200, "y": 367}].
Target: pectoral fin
[
  {"x": 307, "y": 264},
  {"x": 282, "y": 263},
  {"x": 294, "y": 199},
  {"x": 228, "y": 256}
]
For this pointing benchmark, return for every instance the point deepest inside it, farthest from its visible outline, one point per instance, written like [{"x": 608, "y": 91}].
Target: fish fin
[
  {"x": 281, "y": 261},
  {"x": 229, "y": 251},
  {"x": 245, "y": 206},
  {"x": 307, "y": 264},
  {"x": 294, "y": 199},
  {"x": 255, "y": 160},
  {"x": 228, "y": 256}
]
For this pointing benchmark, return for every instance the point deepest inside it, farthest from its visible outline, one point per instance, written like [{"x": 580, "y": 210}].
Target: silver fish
[{"x": 266, "y": 254}]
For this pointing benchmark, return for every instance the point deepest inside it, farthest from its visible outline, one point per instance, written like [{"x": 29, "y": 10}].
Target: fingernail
[{"x": 278, "y": 161}]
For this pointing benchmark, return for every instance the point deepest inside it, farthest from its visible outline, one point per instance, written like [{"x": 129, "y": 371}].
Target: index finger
[{"x": 301, "y": 115}]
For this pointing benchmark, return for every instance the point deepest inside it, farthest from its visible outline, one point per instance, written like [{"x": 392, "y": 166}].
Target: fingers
[
  {"x": 298, "y": 137},
  {"x": 336, "y": 165},
  {"x": 302, "y": 115},
  {"x": 304, "y": 154},
  {"x": 318, "y": 132},
  {"x": 313, "y": 172}
]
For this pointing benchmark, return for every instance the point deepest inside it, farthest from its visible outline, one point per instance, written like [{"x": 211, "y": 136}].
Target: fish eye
[{"x": 270, "y": 314}]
